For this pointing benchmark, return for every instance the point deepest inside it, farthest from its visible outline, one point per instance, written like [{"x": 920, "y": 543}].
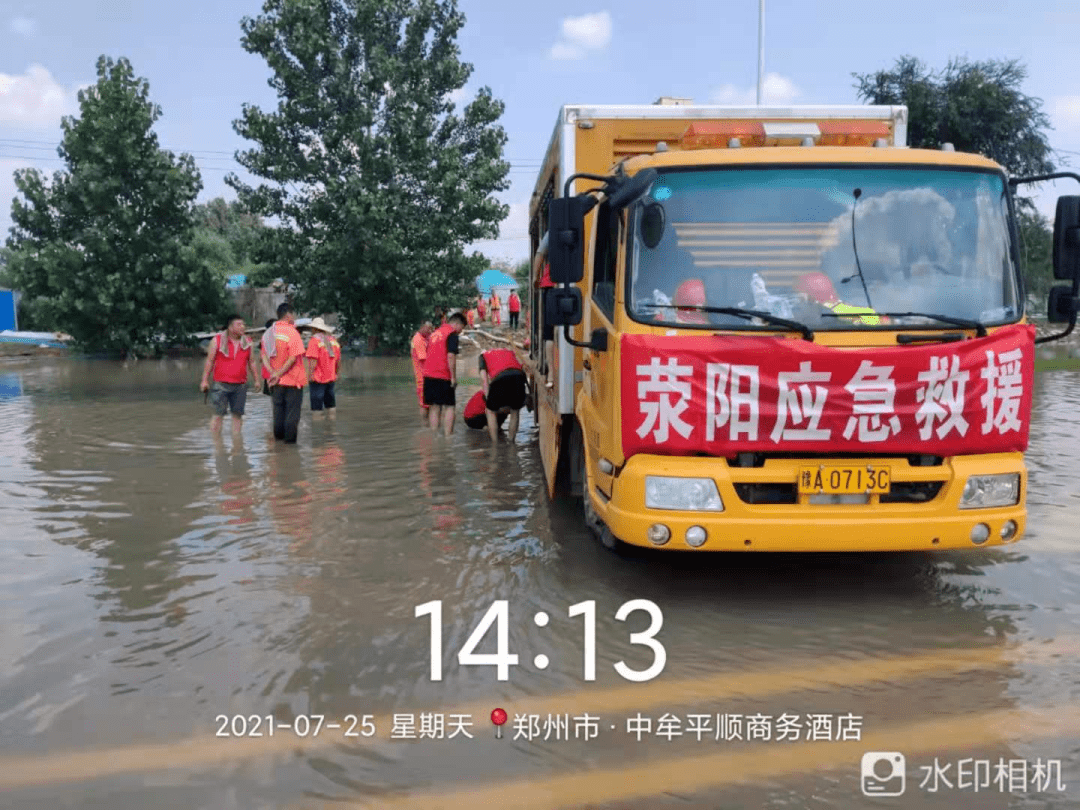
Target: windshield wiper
[
  {"x": 966, "y": 323},
  {"x": 768, "y": 317}
]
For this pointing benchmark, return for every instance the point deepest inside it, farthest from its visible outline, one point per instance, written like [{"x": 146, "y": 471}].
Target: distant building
[{"x": 496, "y": 282}]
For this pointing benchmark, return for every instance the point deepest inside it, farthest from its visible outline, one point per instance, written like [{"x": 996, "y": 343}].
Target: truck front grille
[{"x": 901, "y": 492}]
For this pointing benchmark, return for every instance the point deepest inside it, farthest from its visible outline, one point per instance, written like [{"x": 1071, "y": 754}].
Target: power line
[{"x": 530, "y": 163}]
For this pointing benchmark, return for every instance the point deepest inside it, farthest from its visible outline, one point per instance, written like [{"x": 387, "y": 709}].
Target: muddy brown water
[{"x": 153, "y": 579}]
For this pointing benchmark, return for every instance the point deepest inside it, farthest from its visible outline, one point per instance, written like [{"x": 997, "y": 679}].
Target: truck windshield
[{"x": 779, "y": 241}]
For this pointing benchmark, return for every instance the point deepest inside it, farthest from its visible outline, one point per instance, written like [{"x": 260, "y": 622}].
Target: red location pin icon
[{"x": 498, "y": 717}]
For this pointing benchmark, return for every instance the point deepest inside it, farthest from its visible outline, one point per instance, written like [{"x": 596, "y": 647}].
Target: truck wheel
[{"x": 592, "y": 520}]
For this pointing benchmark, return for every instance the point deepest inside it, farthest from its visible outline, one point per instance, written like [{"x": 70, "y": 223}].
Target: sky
[{"x": 535, "y": 57}]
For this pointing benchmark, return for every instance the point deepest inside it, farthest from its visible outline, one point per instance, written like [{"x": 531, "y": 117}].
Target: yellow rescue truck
[{"x": 781, "y": 329}]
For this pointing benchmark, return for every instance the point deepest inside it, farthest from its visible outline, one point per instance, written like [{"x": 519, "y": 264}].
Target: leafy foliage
[
  {"x": 232, "y": 236},
  {"x": 978, "y": 107},
  {"x": 379, "y": 184},
  {"x": 105, "y": 251},
  {"x": 521, "y": 273},
  {"x": 1036, "y": 252}
]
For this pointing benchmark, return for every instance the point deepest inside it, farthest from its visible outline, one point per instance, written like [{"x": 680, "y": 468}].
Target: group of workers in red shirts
[
  {"x": 478, "y": 314},
  {"x": 287, "y": 366},
  {"x": 502, "y": 381}
]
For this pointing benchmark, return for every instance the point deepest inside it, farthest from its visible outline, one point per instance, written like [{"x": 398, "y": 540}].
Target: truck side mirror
[
  {"x": 598, "y": 340},
  {"x": 566, "y": 247},
  {"x": 1067, "y": 239},
  {"x": 563, "y": 305},
  {"x": 1064, "y": 304}
]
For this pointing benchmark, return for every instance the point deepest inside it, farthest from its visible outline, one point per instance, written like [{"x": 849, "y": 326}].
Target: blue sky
[{"x": 534, "y": 56}]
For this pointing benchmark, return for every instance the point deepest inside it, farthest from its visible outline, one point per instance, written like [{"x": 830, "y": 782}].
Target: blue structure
[
  {"x": 237, "y": 281},
  {"x": 8, "y": 303},
  {"x": 495, "y": 278}
]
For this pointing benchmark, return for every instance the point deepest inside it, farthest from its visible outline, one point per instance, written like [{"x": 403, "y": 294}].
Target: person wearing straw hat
[{"x": 323, "y": 361}]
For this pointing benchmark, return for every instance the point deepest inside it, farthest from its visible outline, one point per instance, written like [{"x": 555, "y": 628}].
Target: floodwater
[{"x": 153, "y": 581}]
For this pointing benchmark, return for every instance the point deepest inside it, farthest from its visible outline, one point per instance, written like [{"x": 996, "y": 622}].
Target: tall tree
[
  {"x": 232, "y": 235},
  {"x": 377, "y": 182},
  {"x": 104, "y": 251},
  {"x": 978, "y": 107}
]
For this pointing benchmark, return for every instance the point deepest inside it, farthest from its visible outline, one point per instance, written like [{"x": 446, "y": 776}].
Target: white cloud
[
  {"x": 1065, "y": 112},
  {"x": 776, "y": 89},
  {"x": 34, "y": 99},
  {"x": 589, "y": 32},
  {"x": 565, "y": 52},
  {"x": 23, "y": 26}
]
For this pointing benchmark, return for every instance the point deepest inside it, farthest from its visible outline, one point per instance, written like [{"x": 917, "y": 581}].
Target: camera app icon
[{"x": 883, "y": 773}]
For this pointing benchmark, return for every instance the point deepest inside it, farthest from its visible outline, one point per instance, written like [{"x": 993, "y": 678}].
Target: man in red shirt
[
  {"x": 514, "y": 305},
  {"x": 323, "y": 361},
  {"x": 230, "y": 359},
  {"x": 283, "y": 349},
  {"x": 419, "y": 346},
  {"x": 502, "y": 381},
  {"x": 544, "y": 282},
  {"x": 440, "y": 373},
  {"x": 475, "y": 415}
]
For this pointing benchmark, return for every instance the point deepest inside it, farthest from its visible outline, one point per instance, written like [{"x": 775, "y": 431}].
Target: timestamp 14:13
[{"x": 502, "y": 659}]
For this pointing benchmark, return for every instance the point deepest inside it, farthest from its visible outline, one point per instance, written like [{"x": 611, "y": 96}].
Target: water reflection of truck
[{"x": 782, "y": 329}]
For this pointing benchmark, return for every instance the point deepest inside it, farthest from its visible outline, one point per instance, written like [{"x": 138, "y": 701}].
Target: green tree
[
  {"x": 1036, "y": 252},
  {"x": 232, "y": 235},
  {"x": 978, "y": 107},
  {"x": 521, "y": 272},
  {"x": 378, "y": 183},
  {"x": 105, "y": 250}
]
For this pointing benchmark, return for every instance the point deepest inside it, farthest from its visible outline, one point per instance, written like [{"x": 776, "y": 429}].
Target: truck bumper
[{"x": 927, "y": 518}]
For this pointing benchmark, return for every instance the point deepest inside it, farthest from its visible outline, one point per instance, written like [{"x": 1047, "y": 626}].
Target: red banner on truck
[{"x": 723, "y": 395}]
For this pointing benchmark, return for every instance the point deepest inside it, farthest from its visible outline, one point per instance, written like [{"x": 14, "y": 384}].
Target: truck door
[{"x": 601, "y": 381}]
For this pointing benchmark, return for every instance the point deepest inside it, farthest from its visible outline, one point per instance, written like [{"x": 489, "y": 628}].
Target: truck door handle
[{"x": 586, "y": 364}]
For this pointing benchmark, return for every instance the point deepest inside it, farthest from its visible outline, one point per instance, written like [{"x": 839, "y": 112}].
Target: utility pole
[{"x": 760, "y": 51}]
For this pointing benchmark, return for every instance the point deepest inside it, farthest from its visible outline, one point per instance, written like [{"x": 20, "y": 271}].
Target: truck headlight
[
  {"x": 682, "y": 494},
  {"x": 984, "y": 491}
]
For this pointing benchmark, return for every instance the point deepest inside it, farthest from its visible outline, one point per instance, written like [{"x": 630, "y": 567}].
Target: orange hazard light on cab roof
[
  {"x": 852, "y": 133},
  {"x": 718, "y": 134}
]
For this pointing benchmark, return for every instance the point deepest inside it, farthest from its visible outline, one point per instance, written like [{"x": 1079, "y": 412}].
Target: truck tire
[{"x": 595, "y": 526}]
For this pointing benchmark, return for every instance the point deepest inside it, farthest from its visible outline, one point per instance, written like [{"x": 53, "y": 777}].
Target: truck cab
[{"x": 783, "y": 330}]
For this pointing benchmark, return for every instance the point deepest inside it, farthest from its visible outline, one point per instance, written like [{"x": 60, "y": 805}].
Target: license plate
[{"x": 843, "y": 480}]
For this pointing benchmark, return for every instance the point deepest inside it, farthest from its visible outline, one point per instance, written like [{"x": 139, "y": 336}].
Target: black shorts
[
  {"x": 438, "y": 392},
  {"x": 479, "y": 422},
  {"x": 227, "y": 397},
  {"x": 549, "y": 328},
  {"x": 322, "y": 396},
  {"x": 507, "y": 391}
]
